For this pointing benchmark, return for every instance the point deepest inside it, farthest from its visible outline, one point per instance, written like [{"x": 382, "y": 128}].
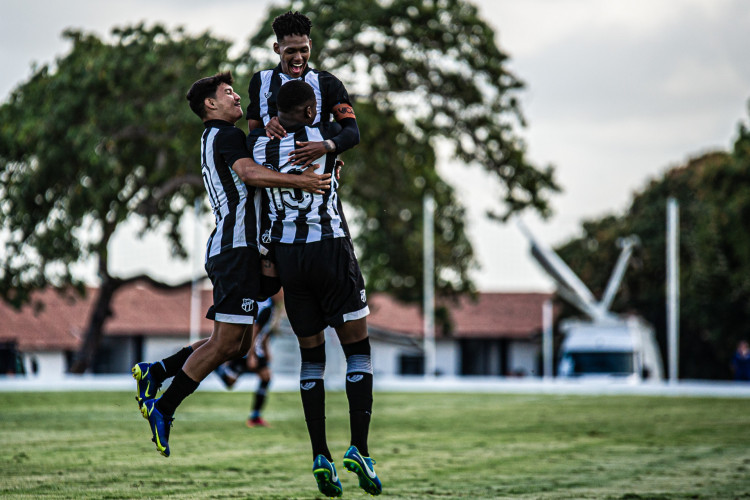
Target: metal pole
[
  {"x": 673, "y": 288},
  {"x": 195, "y": 293},
  {"x": 429, "y": 284},
  {"x": 547, "y": 353}
]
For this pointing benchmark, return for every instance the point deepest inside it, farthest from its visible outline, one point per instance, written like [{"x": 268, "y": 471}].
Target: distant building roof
[
  {"x": 144, "y": 310},
  {"x": 62, "y": 320},
  {"x": 491, "y": 315}
]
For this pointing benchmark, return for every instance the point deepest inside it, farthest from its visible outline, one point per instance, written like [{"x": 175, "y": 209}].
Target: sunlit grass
[{"x": 96, "y": 445}]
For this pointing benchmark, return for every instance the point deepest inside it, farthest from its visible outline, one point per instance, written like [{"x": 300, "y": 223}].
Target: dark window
[
  {"x": 411, "y": 364},
  {"x": 616, "y": 363}
]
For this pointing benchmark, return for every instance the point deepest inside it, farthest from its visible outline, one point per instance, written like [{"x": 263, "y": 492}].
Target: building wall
[
  {"x": 49, "y": 364},
  {"x": 523, "y": 359}
]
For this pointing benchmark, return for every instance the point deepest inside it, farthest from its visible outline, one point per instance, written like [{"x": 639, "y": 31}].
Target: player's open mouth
[{"x": 296, "y": 68}]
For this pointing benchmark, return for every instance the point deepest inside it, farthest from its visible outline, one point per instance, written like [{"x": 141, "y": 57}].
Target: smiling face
[
  {"x": 294, "y": 51},
  {"x": 225, "y": 106}
]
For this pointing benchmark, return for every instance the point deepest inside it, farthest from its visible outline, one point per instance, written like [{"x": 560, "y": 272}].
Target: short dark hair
[
  {"x": 293, "y": 95},
  {"x": 206, "y": 87},
  {"x": 291, "y": 24}
]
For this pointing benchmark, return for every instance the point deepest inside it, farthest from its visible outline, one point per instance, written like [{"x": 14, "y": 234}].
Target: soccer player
[
  {"x": 256, "y": 361},
  {"x": 232, "y": 260},
  {"x": 322, "y": 283},
  {"x": 293, "y": 44}
]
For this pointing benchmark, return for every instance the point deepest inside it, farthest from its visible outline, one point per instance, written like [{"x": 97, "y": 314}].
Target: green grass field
[{"x": 96, "y": 445}]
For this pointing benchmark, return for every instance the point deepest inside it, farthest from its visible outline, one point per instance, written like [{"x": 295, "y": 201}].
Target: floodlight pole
[
  {"x": 195, "y": 293},
  {"x": 428, "y": 204},
  {"x": 547, "y": 351},
  {"x": 673, "y": 287}
]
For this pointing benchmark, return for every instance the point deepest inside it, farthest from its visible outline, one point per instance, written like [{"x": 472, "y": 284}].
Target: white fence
[{"x": 528, "y": 385}]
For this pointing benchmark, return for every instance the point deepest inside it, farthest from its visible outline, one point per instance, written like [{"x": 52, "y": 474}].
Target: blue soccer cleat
[
  {"x": 160, "y": 425},
  {"x": 325, "y": 475},
  {"x": 363, "y": 467},
  {"x": 147, "y": 386}
]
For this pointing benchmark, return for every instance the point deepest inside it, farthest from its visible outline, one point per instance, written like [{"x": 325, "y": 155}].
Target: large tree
[
  {"x": 104, "y": 134},
  {"x": 436, "y": 66},
  {"x": 713, "y": 191},
  {"x": 426, "y": 76}
]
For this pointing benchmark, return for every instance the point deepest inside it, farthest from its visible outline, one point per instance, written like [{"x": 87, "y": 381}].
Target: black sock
[
  {"x": 359, "y": 392},
  {"x": 260, "y": 398},
  {"x": 181, "y": 387},
  {"x": 312, "y": 391},
  {"x": 169, "y": 367}
]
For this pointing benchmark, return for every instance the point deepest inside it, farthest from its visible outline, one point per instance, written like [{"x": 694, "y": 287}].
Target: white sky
[{"x": 617, "y": 92}]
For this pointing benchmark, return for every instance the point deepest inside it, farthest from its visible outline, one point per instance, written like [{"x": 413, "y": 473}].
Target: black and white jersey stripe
[
  {"x": 297, "y": 216},
  {"x": 265, "y": 84},
  {"x": 235, "y": 205}
]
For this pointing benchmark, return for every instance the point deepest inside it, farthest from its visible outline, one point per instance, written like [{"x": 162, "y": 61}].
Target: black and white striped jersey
[
  {"x": 297, "y": 216},
  {"x": 264, "y": 86},
  {"x": 236, "y": 206}
]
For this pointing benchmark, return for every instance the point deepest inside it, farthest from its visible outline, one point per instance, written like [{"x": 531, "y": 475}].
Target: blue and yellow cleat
[
  {"x": 325, "y": 475},
  {"x": 147, "y": 386},
  {"x": 160, "y": 425},
  {"x": 363, "y": 467}
]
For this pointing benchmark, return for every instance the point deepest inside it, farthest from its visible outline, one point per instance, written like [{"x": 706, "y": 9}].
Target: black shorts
[
  {"x": 323, "y": 285},
  {"x": 235, "y": 275}
]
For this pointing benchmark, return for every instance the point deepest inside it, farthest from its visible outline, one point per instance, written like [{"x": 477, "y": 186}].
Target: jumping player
[
  {"x": 322, "y": 283},
  {"x": 232, "y": 260}
]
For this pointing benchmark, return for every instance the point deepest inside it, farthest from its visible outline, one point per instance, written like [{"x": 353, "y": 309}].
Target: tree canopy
[
  {"x": 103, "y": 136},
  {"x": 713, "y": 191},
  {"x": 435, "y": 65}
]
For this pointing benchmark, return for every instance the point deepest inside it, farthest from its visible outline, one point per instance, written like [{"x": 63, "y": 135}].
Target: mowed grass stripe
[{"x": 97, "y": 445}]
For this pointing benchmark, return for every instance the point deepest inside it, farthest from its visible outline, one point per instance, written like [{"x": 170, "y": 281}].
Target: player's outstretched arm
[{"x": 257, "y": 175}]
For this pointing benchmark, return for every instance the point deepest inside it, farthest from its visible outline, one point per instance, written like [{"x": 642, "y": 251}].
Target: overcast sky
[{"x": 617, "y": 91}]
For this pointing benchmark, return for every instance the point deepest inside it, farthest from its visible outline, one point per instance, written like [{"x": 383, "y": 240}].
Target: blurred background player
[{"x": 257, "y": 359}]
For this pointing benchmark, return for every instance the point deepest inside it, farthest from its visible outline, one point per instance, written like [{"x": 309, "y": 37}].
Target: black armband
[{"x": 348, "y": 137}]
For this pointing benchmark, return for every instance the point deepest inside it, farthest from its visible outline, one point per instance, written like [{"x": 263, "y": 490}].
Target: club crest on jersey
[
  {"x": 247, "y": 305},
  {"x": 362, "y": 296},
  {"x": 267, "y": 94}
]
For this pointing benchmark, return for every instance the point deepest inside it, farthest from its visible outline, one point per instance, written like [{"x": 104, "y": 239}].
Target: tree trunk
[{"x": 85, "y": 356}]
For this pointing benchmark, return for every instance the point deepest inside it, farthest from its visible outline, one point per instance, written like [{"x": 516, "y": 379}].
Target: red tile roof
[
  {"x": 137, "y": 310},
  {"x": 143, "y": 310},
  {"x": 491, "y": 315}
]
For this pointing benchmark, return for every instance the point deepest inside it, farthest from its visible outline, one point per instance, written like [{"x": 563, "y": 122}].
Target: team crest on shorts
[
  {"x": 362, "y": 295},
  {"x": 247, "y": 305}
]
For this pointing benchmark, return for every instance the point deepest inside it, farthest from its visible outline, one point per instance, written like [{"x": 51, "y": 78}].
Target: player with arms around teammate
[
  {"x": 293, "y": 44},
  {"x": 232, "y": 261},
  {"x": 323, "y": 286}
]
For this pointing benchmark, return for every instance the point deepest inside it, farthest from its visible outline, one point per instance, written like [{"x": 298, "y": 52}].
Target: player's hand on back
[
  {"x": 314, "y": 183},
  {"x": 307, "y": 152},
  {"x": 274, "y": 130}
]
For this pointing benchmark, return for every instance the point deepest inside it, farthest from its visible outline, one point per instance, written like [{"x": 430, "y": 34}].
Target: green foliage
[
  {"x": 713, "y": 192},
  {"x": 83, "y": 145},
  {"x": 522, "y": 446},
  {"x": 384, "y": 180},
  {"x": 436, "y": 66}
]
